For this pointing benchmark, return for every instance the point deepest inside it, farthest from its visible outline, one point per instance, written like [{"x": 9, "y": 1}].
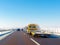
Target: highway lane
[
  {"x": 22, "y": 38},
  {"x": 46, "y": 41},
  {"x": 17, "y": 38}
]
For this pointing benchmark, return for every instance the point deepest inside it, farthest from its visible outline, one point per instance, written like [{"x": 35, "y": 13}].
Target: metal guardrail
[{"x": 5, "y": 33}]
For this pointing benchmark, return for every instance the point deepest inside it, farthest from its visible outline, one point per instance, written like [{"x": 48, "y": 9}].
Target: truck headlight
[{"x": 33, "y": 33}]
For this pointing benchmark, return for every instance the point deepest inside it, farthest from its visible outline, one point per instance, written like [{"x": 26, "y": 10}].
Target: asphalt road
[{"x": 22, "y": 38}]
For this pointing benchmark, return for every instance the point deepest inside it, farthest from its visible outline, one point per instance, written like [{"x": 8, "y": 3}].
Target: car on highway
[{"x": 18, "y": 29}]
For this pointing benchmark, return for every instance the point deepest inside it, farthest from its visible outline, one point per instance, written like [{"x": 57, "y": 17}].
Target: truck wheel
[
  {"x": 30, "y": 33},
  {"x": 35, "y": 36}
]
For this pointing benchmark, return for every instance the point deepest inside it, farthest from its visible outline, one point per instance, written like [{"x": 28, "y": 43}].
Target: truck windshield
[{"x": 32, "y": 26}]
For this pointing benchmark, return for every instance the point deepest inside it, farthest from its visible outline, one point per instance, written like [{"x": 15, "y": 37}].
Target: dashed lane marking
[{"x": 34, "y": 41}]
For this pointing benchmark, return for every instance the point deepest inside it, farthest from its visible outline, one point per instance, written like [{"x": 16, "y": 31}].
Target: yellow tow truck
[{"x": 34, "y": 30}]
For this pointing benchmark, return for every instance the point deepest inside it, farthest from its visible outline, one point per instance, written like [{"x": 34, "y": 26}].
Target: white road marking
[
  {"x": 34, "y": 41},
  {"x": 24, "y": 34}
]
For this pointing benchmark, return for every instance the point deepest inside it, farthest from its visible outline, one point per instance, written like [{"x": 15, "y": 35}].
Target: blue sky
[{"x": 18, "y": 13}]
